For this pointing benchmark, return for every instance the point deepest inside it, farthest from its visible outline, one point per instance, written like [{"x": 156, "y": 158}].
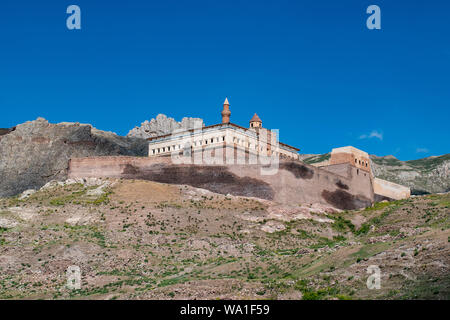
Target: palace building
[
  {"x": 249, "y": 161},
  {"x": 227, "y": 137}
]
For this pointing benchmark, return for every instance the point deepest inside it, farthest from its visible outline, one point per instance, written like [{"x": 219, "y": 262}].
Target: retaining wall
[{"x": 294, "y": 182}]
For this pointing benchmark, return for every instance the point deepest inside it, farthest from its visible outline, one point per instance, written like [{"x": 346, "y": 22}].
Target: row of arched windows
[
  {"x": 361, "y": 163},
  {"x": 201, "y": 142}
]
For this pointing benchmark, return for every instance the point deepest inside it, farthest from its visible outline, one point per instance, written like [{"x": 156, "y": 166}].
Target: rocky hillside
[
  {"x": 428, "y": 175},
  {"x": 137, "y": 239},
  {"x": 35, "y": 152},
  {"x": 163, "y": 125}
]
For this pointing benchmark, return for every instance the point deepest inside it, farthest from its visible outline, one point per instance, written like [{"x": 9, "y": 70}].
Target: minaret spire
[{"x": 226, "y": 112}]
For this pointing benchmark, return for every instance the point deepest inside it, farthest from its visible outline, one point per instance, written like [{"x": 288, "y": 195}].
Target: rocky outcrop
[
  {"x": 428, "y": 175},
  {"x": 37, "y": 152},
  {"x": 163, "y": 125}
]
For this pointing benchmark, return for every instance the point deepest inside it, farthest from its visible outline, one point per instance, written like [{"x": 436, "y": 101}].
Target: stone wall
[
  {"x": 388, "y": 190},
  {"x": 294, "y": 182}
]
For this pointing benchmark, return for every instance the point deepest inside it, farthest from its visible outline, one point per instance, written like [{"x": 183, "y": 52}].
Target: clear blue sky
[{"x": 308, "y": 68}]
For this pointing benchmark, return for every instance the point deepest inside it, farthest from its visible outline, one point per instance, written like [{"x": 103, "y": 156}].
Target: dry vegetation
[{"x": 145, "y": 240}]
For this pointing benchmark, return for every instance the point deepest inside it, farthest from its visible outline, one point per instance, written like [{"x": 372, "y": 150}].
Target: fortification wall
[
  {"x": 109, "y": 166},
  {"x": 294, "y": 182},
  {"x": 388, "y": 190}
]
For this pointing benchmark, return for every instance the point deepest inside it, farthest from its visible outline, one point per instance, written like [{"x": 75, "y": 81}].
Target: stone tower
[
  {"x": 255, "y": 122},
  {"x": 226, "y": 112}
]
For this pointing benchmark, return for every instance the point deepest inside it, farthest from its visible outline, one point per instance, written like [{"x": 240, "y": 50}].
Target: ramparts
[{"x": 294, "y": 182}]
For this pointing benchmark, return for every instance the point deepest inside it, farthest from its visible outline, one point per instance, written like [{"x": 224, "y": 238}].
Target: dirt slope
[{"x": 146, "y": 240}]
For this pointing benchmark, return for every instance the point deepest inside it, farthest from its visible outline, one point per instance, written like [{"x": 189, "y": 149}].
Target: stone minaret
[{"x": 226, "y": 112}]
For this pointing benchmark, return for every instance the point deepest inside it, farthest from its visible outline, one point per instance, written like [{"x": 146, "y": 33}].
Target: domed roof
[{"x": 255, "y": 118}]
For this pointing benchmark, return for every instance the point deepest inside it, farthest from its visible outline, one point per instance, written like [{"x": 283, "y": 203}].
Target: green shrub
[{"x": 342, "y": 225}]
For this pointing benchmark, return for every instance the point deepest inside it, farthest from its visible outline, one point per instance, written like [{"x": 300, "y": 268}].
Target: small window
[
  {"x": 168, "y": 148},
  {"x": 356, "y": 161},
  {"x": 212, "y": 140}
]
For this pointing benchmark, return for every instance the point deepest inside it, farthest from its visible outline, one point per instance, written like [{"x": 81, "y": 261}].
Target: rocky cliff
[
  {"x": 428, "y": 175},
  {"x": 37, "y": 151},
  {"x": 163, "y": 125}
]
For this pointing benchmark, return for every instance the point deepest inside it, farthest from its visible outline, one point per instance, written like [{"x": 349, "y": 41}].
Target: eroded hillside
[{"x": 146, "y": 240}]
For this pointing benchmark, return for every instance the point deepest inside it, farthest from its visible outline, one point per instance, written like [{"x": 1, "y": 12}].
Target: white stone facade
[{"x": 250, "y": 141}]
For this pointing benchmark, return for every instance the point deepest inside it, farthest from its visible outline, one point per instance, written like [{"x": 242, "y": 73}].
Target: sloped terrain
[{"x": 136, "y": 239}]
